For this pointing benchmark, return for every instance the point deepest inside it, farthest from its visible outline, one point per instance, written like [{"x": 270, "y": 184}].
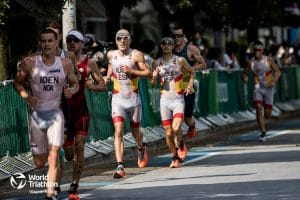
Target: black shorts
[{"x": 189, "y": 104}]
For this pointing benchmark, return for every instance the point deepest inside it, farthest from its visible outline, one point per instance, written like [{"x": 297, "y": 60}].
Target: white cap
[{"x": 76, "y": 34}]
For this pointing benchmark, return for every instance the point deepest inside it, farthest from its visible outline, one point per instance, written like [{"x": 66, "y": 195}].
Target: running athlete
[
  {"x": 266, "y": 74},
  {"x": 126, "y": 65},
  {"x": 90, "y": 78},
  {"x": 47, "y": 74},
  {"x": 171, "y": 69},
  {"x": 192, "y": 55},
  {"x": 70, "y": 55}
]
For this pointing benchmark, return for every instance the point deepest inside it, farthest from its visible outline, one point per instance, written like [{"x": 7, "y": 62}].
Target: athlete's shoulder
[
  {"x": 66, "y": 61},
  {"x": 193, "y": 48},
  {"x": 110, "y": 53},
  {"x": 69, "y": 54}
]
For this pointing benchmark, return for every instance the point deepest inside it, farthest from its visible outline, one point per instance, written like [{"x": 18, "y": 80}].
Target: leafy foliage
[{"x": 4, "y": 5}]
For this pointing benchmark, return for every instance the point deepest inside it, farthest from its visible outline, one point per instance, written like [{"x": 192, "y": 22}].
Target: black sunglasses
[
  {"x": 177, "y": 35},
  {"x": 164, "y": 43},
  {"x": 125, "y": 38},
  {"x": 72, "y": 39}
]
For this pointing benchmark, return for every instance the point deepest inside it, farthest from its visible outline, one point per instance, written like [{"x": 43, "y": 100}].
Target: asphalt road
[{"x": 238, "y": 167}]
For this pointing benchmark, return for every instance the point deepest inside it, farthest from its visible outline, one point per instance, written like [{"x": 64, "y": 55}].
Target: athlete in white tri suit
[
  {"x": 170, "y": 68},
  {"x": 125, "y": 98},
  {"x": 126, "y": 65},
  {"x": 265, "y": 73},
  {"x": 47, "y": 84},
  {"x": 47, "y": 75}
]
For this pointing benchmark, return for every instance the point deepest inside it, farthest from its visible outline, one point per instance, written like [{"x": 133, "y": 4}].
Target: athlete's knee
[
  {"x": 53, "y": 155},
  {"x": 268, "y": 114},
  {"x": 176, "y": 129},
  {"x": 39, "y": 161},
  {"x": 69, "y": 152},
  {"x": 168, "y": 131}
]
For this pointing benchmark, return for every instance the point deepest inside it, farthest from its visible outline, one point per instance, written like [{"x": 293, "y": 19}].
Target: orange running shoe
[
  {"x": 73, "y": 194},
  {"x": 175, "y": 162},
  {"x": 73, "y": 197},
  {"x": 120, "y": 172},
  {"x": 182, "y": 150},
  {"x": 191, "y": 132},
  {"x": 143, "y": 157}
]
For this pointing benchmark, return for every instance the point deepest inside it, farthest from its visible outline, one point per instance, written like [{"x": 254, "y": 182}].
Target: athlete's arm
[
  {"x": 244, "y": 74},
  {"x": 155, "y": 73},
  {"x": 199, "y": 62},
  {"x": 73, "y": 85},
  {"x": 186, "y": 67},
  {"x": 23, "y": 73},
  {"x": 277, "y": 72},
  {"x": 139, "y": 58},
  {"x": 71, "y": 56},
  {"x": 96, "y": 83},
  {"x": 109, "y": 68}
]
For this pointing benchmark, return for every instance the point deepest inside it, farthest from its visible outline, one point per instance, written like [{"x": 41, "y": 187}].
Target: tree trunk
[{"x": 3, "y": 56}]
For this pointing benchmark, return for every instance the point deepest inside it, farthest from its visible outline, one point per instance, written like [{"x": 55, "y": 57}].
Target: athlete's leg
[
  {"x": 170, "y": 139},
  {"x": 78, "y": 165},
  {"x": 259, "y": 117},
  {"x": 118, "y": 142},
  {"x": 188, "y": 114},
  {"x": 40, "y": 160},
  {"x": 189, "y": 109},
  {"x": 52, "y": 169},
  {"x": 135, "y": 115},
  {"x": 269, "y": 98},
  {"x": 176, "y": 126}
]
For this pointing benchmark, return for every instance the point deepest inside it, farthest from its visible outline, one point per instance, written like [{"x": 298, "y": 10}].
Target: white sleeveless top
[
  {"x": 262, "y": 72},
  {"x": 47, "y": 84},
  {"x": 125, "y": 85},
  {"x": 171, "y": 78}
]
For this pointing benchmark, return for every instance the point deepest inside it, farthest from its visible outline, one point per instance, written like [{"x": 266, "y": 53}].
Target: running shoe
[
  {"x": 182, "y": 150},
  {"x": 175, "y": 162},
  {"x": 120, "y": 172},
  {"x": 57, "y": 191},
  {"x": 73, "y": 193},
  {"x": 143, "y": 157},
  {"x": 191, "y": 132},
  {"x": 51, "y": 198},
  {"x": 262, "y": 137}
]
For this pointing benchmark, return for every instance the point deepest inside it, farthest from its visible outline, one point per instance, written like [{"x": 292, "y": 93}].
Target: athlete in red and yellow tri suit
[
  {"x": 126, "y": 65},
  {"x": 266, "y": 73},
  {"x": 170, "y": 68}
]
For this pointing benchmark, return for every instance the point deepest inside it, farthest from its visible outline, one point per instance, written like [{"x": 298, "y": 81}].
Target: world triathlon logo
[{"x": 18, "y": 181}]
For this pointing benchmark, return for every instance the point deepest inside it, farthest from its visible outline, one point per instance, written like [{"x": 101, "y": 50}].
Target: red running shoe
[
  {"x": 175, "y": 162},
  {"x": 182, "y": 150},
  {"x": 120, "y": 172},
  {"x": 191, "y": 132},
  {"x": 143, "y": 157}
]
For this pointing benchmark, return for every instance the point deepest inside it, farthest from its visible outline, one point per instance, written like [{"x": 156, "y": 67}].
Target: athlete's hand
[
  {"x": 188, "y": 91},
  {"x": 126, "y": 69},
  {"x": 89, "y": 83},
  {"x": 68, "y": 91},
  {"x": 271, "y": 84},
  {"x": 32, "y": 101},
  {"x": 155, "y": 72}
]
